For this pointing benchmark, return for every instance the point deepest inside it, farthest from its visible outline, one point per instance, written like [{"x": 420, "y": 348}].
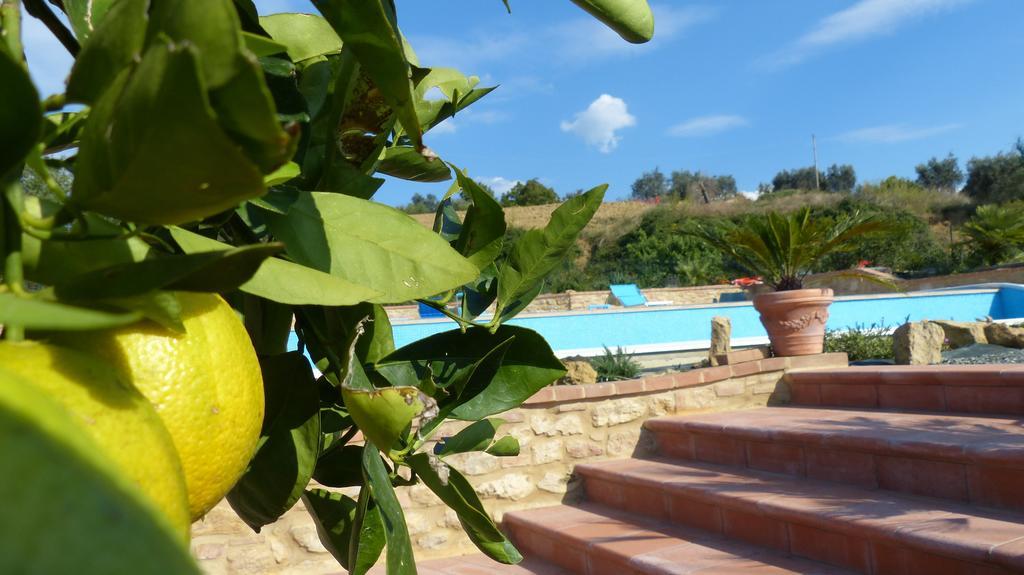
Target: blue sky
[{"x": 727, "y": 87}]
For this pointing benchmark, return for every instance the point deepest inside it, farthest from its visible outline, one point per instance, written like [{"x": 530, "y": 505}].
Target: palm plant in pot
[{"x": 782, "y": 249}]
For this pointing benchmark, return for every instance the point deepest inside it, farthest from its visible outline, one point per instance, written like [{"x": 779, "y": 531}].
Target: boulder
[
  {"x": 918, "y": 343},
  {"x": 962, "y": 333},
  {"x": 578, "y": 372},
  {"x": 721, "y": 337},
  {"x": 1004, "y": 335}
]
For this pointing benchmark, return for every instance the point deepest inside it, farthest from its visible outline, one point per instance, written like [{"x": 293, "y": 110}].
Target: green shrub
[
  {"x": 861, "y": 342},
  {"x": 615, "y": 365},
  {"x": 910, "y": 246}
]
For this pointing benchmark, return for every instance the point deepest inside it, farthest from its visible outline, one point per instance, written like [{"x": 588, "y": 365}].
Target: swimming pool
[{"x": 679, "y": 328}]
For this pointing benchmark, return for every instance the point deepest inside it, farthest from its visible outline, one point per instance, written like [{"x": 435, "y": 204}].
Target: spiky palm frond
[
  {"x": 996, "y": 232},
  {"x": 782, "y": 249}
]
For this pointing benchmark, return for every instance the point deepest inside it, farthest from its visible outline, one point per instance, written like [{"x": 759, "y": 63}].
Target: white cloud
[
  {"x": 598, "y": 124},
  {"x": 863, "y": 20},
  {"x": 893, "y": 133},
  {"x": 707, "y": 125},
  {"x": 499, "y": 184}
]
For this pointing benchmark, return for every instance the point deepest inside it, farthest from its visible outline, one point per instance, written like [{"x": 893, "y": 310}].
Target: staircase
[{"x": 903, "y": 471}]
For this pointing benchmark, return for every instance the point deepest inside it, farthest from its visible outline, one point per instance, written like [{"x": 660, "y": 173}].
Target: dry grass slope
[{"x": 528, "y": 217}]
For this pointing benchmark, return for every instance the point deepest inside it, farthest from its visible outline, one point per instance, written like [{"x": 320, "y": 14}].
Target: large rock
[
  {"x": 962, "y": 333},
  {"x": 578, "y": 372},
  {"x": 721, "y": 336},
  {"x": 1004, "y": 335},
  {"x": 918, "y": 343}
]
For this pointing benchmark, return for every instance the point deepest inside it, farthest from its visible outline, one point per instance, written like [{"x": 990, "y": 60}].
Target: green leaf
[
  {"x": 211, "y": 26},
  {"x": 483, "y": 231},
  {"x": 631, "y": 19},
  {"x": 51, "y": 262},
  {"x": 331, "y": 335},
  {"x": 124, "y": 171},
  {"x": 306, "y": 35},
  {"x": 246, "y": 112},
  {"x": 161, "y": 307},
  {"x": 368, "y": 28},
  {"x": 368, "y": 537},
  {"x": 261, "y": 45},
  {"x": 371, "y": 245},
  {"x": 84, "y": 15},
  {"x": 335, "y": 518},
  {"x": 384, "y": 414},
  {"x": 457, "y": 88},
  {"x": 21, "y": 117},
  {"x": 116, "y": 44},
  {"x": 408, "y": 164},
  {"x": 283, "y": 281},
  {"x": 507, "y": 446},
  {"x": 289, "y": 442},
  {"x": 526, "y": 366},
  {"x": 340, "y": 467},
  {"x": 476, "y": 437},
  {"x": 399, "y": 555},
  {"x": 458, "y": 495},
  {"x": 538, "y": 252},
  {"x": 287, "y": 172},
  {"x": 480, "y": 293},
  {"x": 215, "y": 271},
  {"x": 444, "y": 375},
  {"x": 32, "y": 313}
]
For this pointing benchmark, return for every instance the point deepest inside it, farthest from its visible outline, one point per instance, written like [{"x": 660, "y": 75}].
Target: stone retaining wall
[{"x": 557, "y": 428}]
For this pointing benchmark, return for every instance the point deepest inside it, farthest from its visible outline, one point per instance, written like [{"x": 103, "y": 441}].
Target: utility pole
[{"x": 814, "y": 148}]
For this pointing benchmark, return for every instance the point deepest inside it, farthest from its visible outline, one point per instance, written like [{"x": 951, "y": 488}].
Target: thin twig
[{"x": 41, "y": 11}]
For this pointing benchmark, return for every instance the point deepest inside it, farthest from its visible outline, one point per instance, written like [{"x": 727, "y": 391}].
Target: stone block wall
[
  {"x": 581, "y": 300},
  {"x": 557, "y": 428}
]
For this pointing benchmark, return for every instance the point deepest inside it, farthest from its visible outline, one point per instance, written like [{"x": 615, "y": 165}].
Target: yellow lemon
[
  {"x": 206, "y": 385},
  {"x": 115, "y": 415}
]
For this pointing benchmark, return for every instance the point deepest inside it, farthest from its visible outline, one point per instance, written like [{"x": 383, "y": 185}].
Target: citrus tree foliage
[{"x": 213, "y": 149}]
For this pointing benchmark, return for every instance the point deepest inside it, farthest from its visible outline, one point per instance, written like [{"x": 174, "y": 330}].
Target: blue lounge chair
[
  {"x": 630, "y": 296},
  {"x": 428, "y": 312}
]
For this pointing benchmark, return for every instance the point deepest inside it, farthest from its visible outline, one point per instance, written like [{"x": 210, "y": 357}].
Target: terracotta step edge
[
  {"x": 916, "y": 445},
  {"x": 782, "y": 507}
]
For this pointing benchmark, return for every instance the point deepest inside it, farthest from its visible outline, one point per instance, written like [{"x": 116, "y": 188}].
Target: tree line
[{"x": 987, "y": 179}]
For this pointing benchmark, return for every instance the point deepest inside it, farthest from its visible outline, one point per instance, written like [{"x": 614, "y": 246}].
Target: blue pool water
[{"x": 649, "y": 330}]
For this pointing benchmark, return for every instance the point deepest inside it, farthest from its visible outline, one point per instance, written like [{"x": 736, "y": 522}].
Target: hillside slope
[{"x": 528, "y": 217}]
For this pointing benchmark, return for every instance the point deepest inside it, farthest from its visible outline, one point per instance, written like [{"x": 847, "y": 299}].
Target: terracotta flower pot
[{"x": 795, "y": 320}]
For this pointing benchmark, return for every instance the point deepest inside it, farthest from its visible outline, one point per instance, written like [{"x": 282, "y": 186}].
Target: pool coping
[
  {"x": 683, "y": 379},
  {"x": 661, "y": 308}
]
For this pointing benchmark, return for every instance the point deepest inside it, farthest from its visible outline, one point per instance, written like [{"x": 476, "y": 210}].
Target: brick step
[
  {"x": 970, "y": 459},
  {"x": 977, "y": 389},
  {"x": 478, "y": 564},
  {"x": 869, "y": 531},
  {"x": 593, "y": 539}
]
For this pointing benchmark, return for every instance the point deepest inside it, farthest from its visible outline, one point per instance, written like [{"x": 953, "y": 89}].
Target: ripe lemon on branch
[
  {"x": 113, "y": 413},
  {"x": 68, "y": 506},
  {"x": 205, "y": 384}
]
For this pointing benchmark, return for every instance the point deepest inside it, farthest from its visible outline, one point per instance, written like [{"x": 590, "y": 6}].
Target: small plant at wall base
[
  {"x": 614, "y": 366},
  {"x": 782, "y": 250},
  {"x": 861, "y": 342}
]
